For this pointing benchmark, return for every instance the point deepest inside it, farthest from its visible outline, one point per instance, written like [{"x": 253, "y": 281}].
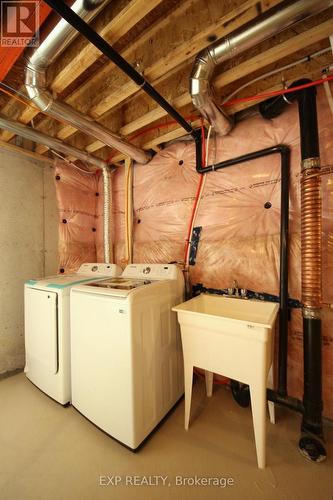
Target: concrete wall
[{"x": 28, "y": 244}]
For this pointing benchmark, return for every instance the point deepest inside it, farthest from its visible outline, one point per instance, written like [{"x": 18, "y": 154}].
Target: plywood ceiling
[{"x": 161, "y": 39}]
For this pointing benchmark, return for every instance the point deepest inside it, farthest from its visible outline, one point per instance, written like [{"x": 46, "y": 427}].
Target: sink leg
[
  {"x": 188, "y": 380},
  {"x": 258, "y": 404},
  {"x": 209, "y": 378},
  {"x": 270, "y": 385}
]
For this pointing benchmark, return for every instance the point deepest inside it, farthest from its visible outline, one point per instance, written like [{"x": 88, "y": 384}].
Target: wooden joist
[
  {"x": 259, "y": 62},
  {"x": 133, "y": 12},
  {"x": 164, "y": 53},
  {"x": 159, "y": 54},
  {"x": 128, "y": 17},
  {"x": 310, "y": 69},
  {"x": 272, "y": 55}
]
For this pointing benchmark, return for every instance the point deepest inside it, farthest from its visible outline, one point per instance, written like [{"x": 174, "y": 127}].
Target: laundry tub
[{"x": 232, "y": 337}]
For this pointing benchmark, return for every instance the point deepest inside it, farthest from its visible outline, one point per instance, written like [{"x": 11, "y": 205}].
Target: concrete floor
[{"x": 53, "y": 453}]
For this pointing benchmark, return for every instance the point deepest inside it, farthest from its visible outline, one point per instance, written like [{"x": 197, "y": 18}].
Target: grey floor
[{"x": 49, "y": 452}]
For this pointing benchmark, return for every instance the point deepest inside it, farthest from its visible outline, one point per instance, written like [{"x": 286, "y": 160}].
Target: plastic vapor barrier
[{"x": 240, "y": 237}]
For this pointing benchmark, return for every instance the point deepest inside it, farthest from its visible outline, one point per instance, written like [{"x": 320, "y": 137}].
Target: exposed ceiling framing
[{"x": 161, "y": 38}]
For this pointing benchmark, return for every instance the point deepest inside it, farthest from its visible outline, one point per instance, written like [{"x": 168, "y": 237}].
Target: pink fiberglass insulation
[
  {"x": 240, "y": 237},
  {"x": 80, "y": 217}
]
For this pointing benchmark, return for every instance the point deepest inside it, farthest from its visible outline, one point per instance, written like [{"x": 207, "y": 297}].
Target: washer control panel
[
  {"x": 99, "y": 269},
  {"x": 152, "y": 271}
]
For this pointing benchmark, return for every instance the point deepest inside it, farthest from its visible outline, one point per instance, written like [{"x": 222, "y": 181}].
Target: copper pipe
[{"x": 311, "y": 242}]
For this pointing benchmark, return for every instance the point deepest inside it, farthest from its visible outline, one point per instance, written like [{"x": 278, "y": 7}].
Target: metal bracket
[
  {"x": 194, "y": 244},
  {"x": 311, "y": 313},
  {"x": 310, "y": 163}
]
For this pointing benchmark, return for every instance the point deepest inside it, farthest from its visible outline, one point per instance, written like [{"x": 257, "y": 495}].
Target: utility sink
[
  {"x": 232, "y": 337},
  {"x": 217, "y": 310},
  {"x": 226, "y": 335}
]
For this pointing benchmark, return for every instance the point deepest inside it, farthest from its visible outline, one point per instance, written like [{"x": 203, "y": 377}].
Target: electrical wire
[
  {"x": 4, "y": 91},
  {"x": 71, "y": 163},
  {"x": 227, "y": 102},
  {"x": 65, "y": 159},
  {"x": 275, "y": 71},
  {"x": 265, "y": 95},
  {"x": 26, "y": 103},
  {"x": 14, "y": 90}
]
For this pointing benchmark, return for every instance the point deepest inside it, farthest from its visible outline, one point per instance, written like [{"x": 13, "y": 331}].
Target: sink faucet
[{"x": 236, "y": 292}]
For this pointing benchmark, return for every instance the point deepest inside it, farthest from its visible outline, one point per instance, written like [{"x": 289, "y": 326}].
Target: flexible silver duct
[
  {"x": 227, "y": 48},
  {"x": 36, "y": 83},
  {"x": 106, "y": 214},
  {"x": 50, "y": 142},
  {"x": 57, "y": 145}
]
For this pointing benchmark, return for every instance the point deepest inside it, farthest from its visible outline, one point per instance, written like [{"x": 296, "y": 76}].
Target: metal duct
[
  {"x": 229, "y": 47},
  {"x": 50, "y": 142},
  {"x": 106, "y": 215},
  {"x": 36, "y": 83}
]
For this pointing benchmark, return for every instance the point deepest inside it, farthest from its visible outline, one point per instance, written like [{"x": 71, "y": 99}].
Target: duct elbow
[
  {"x": 200, "y": 77},
  {"x": 35, "y": 85},
  {"x": 201, "y": 93}
]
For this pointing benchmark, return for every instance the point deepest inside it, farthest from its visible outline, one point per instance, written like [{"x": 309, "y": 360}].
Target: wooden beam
[
  {"x": 128, "y": 17},
  {"x": 133, "y": 12},
  {"x": 305, "y": 70},
  {"x": 276, "y": 53},
  {"x": 310, "y": 69},
  {"x": 195, "y": 21},
  {"x": 193, "y": 39}
]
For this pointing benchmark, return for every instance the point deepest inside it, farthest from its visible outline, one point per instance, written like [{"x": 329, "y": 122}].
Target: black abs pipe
[
  {"x": 82, "y": 27},
  {"x": 287, "y": 401},
  {"x": 310, "y": 444},
  {"x": 307, "y": 109},
  {"x": 284, "y": 152}
]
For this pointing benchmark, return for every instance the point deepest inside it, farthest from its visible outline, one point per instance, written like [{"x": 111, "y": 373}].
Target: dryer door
[{"x": 41, "y": 329}]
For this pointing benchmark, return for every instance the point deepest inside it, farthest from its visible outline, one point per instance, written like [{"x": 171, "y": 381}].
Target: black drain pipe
[
  {"x": 82, "y": 27},
  {"x": 284, "y": 151},
  {"x": 310, "y": 444}
]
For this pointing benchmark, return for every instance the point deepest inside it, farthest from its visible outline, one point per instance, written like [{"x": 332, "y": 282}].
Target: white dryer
[
  {"x": 47, "y": 327},
  {"x": 127, "y": 366}
]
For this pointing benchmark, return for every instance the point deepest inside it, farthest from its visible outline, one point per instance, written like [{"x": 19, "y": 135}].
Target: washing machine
[
  {"x": 47, "y": 327},
  {"x": 126, "y": 361}
]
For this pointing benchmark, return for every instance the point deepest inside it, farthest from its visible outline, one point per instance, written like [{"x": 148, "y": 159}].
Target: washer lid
[
  {"x": 61, "y": 281},
  {"x": 86, "y": 272},
  {"x": 119, "y": 283}
]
